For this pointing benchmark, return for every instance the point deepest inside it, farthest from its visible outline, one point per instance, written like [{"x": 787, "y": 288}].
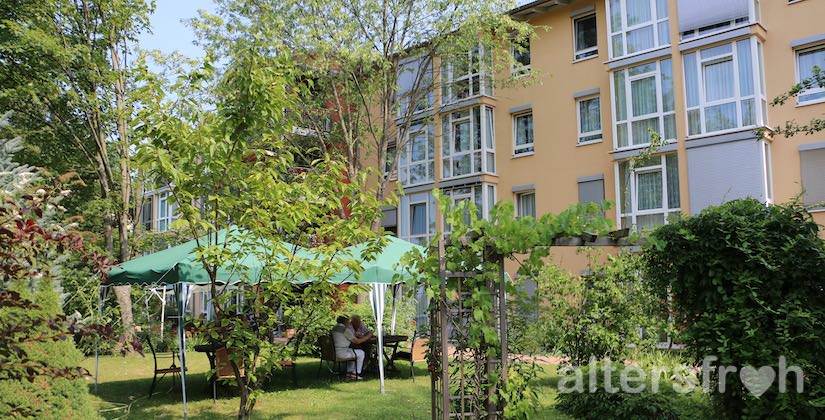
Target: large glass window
[
  {"x": 481, "y": 195},
  {"x": 723, "y": 88},
  {"x": 166, "y": 211},
  {"x": 467, "y": 145},
  {"x": 637, "y": 26},
  {"x": 523, "y": 137},
  {"x": 649, "y": 193},
  {"x": 417, "y": 161},
  {"x": 465, "y": 76},
  {"x": 416, "y": 220},
  {"x": 585, "y": 37},
  {"x": 146, "y": 213},
  {"x": 590, "y": 120},
  {"x": 415, "y": 84},
  {"x": 806, "y": 61},
  {"x": 643, "y": 101},
  {"x": 526, "y": 204}
]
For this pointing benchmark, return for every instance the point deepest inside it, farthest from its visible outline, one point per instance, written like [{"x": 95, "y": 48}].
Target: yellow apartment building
[{"x": 701, "y": 73}]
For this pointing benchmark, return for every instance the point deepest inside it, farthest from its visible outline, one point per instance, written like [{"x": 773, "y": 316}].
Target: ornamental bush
[{"x": 746, "y": 284}]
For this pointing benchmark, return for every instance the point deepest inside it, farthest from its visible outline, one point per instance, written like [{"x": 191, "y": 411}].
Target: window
[
  {"x": 415, "y": 84},
  {"x": 806, "y": 60},
  {"x": 521, "y": 56},
  {"x": 584, "y": 37},
  {"x": 464, "y": 77},
  {"x": 467, "y": 142},
  {"x": 526, "y": 204},
  {"x": 643, "y": 101},
  {"x": 649, "y": 193},
  {"x": 146, "y": 213},
  {"x": 389, "y": 161},
  {"x": 166, "y": 211},
  {"x": 591, "y": 190},
  {"x": 636, "y": 26},
  {"x": 812, "y": 163},
  {"x": 523, "y": 137},
  {"x": 722, "y": 87},
  {"x": 589, "y": 120},
  {"x": 417, "y": 162},
  {"x": 481, "y": 195},
  {"x": 416, "y": 221},
  {"x": 704, "y": 17}
]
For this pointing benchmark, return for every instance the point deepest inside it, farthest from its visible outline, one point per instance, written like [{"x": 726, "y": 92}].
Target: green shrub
[
  {"x": 746, "y": 285},
  {"x": 665, "y": 403},
  {"x": 47, "y": 397},
  {"x": 598, "y": 315}
]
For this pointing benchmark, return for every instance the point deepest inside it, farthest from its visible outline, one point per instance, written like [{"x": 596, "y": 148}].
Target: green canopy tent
[{"x": 179, "y": 267}]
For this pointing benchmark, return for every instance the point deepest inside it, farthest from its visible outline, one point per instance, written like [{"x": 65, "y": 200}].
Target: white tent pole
[
  {"x": 377, "y": 302},
  {"x": 181, "y": 293},
  {"x": 100, "y": 291},
  {"x": 162, "y": 312},
  {"x": 396, "y": 291}
]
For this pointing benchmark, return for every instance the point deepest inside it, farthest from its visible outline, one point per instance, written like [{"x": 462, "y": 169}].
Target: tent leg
[
  {"x": 100, "y": 292},
  {"x": 181, "y": 295},
  {"x": 396, "y": 291},
  {"x": 162, "y": 312},
  {"x": 377, "y": 295}
]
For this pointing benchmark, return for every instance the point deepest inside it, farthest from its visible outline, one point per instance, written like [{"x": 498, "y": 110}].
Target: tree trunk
[{"x": 123, "y": 293}]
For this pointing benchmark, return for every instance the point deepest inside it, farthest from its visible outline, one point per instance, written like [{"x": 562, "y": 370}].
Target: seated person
[
  {"x": 359, "y": 327},
  {"x": 343, "y": 337}
]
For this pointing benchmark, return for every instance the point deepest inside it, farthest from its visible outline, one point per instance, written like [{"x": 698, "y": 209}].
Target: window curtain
[
  {"x": 589, "y": 115},
  {"x": 638, "y": 11},
  {"x": 719, "y": 80},
  {"x": 649, "y": 190},
  {"x": 808, "y": 60},
  {"x": 745, "y": 58},
  {"x": 643, "y": 95},
  {"x": 418, "y": 220},
  {"x": 640, "y": 39},
  {"x": 527, "y": 205},
  {"x": 672, "y": 168},
  {"x": 524, "y": 130}
]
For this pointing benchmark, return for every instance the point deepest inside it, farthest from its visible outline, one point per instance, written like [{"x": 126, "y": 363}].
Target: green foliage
[
  {"x": 476, "y": 245},
  {"x": 791, "y": 128},
  {"x": 746, "y": 286},
  {"x": 601, "y": 314}
]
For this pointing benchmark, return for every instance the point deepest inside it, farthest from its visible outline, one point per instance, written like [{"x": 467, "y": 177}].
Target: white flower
[{"x": 40, "y": 192}]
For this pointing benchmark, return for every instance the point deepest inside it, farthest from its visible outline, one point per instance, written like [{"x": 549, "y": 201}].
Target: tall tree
[
  {"x": 371, "y": 62},
  {"x": 64, "y": 72}
]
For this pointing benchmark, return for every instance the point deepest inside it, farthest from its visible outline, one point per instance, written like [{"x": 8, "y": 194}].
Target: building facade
[{"x": 699, "y": 73}]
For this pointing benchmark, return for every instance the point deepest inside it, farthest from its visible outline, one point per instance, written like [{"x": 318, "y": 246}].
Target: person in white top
[{"x": 343, "y": 336}]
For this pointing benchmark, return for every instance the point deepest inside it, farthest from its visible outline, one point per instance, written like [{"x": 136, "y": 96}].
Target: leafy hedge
[{"x": 746, "y": 282}]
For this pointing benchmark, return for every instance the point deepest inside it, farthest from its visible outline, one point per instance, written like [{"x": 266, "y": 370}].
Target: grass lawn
[{"x": 124, "y": 386}]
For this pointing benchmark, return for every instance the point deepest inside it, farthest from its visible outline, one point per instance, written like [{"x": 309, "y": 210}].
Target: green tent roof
[
  {"x": 178, "y": 264},
  {"x": 383, "y": 268}
]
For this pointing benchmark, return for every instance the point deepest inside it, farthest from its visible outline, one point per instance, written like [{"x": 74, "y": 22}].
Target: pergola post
[{"x": 181, "y": 295}]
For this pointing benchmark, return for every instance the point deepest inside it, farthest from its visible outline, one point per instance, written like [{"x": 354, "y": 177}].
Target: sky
[{"x": 169, "y": 32}]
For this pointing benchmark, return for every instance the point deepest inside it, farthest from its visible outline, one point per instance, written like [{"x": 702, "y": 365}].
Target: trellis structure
[{"x": 461, "y": 375}]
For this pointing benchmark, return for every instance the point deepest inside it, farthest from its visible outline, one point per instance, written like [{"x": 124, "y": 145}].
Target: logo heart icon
[{"x": 757, "y": 381}]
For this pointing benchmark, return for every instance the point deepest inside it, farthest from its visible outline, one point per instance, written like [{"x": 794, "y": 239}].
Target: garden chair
[
  {"x": 327, "y": 347},
  {"x": 417, "y": 353},
  {"x": 223, "y": 370},
  {"x": 173, "y": 368}
]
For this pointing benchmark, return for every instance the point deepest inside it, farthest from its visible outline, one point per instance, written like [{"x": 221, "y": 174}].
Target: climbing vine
[{"x": 476, "y": 245}]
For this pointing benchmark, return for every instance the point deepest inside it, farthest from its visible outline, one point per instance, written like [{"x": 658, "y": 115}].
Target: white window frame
[
  {"x": 405, "y": 162},
  {"x": 448, "y": 153},
  {"x": 584, "y": 53},
  {"x": 593, "y": 133},
  {"x": 525, "y": 149},
  {"x": 758, "y": 96},
  {"x": 813, "y": 90},
  {"x": 423, "y": 104},
  {"x": 655, "y": 21},
  {"x": 450, "y": 79},
  {"x": 660, "y": 114},
  {"x": 519, "y": 196},
  {"x": 425, "y": 236},
  {"x": 519, "y": 69},
  {"x": 163, "y": 202},
  {"x": 634, "y": 213}
]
